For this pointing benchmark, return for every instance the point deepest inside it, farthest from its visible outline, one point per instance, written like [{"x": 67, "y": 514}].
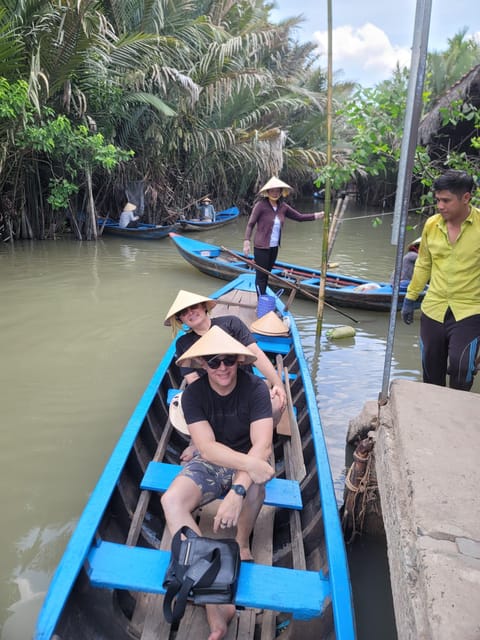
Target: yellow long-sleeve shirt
[{"x": 453, "y": 270}]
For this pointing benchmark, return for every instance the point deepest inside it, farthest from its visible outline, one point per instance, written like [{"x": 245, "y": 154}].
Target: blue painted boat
[
  {"x": 221, "y": 219},
  {"x": 108, "y": 585},
  {"x": 340, "y": 290},
  {"x": 144, "y": 231}
]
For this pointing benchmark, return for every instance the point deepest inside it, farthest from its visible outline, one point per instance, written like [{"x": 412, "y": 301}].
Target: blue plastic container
[{"x": 265, "y": 304}]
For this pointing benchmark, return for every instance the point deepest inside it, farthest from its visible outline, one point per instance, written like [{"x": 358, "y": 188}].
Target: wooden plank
[
  {"x": 246, "y": 624},
  {"x": 144, "y": 499},
  {"x": 296, "y": 533},
  {"x": 299, "y": 469},
  {"x": 154, "y": 625},
  {"x": 262, "y": 550},
  {"x": 283, "y": 427},
  {"x": 117, "y": 566},
  {"x": 278, "y": 491}
]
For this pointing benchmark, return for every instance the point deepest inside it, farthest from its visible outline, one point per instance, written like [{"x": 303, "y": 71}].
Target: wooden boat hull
[
  {"x": 107, "y": 584},
  {"x": 221, "y": 219},
  {"x": 143, "y": 232},
  {"x": 340, "y": 290}
]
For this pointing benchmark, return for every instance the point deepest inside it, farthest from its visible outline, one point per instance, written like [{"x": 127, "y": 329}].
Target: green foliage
[
  {"x": 376, "y": 118},
  {"x": 73, "y": 150},
  {"x": 61, "y": 190},
  {"x": 13, "y": 98},
  {"x": 447, "y": 67}
]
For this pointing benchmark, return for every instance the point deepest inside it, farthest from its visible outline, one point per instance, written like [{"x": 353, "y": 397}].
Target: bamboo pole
[
  {"x": 328, "y": 186},
  {"x": 336, "y": 221}
]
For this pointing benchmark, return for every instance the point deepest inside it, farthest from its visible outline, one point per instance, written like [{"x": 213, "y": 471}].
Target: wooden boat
[
  {"x": 108, "y": 585},
  {"x": 221, "y": 219},
  {"x": 340, "y": 290},
  {"x": 144, "y": 231}
]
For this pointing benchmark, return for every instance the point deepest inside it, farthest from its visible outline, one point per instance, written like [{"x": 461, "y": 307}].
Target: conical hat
[
  {"x": 186, "y": 299},
  {"x": 275, "y": 183},
  {"x": 413, "y": 246},
  {"x": 130, "y": 206},
  {"x": 175, "y": 413},
  {"x": 215, "y": 341},
  {"x": 269, "y": 325}
]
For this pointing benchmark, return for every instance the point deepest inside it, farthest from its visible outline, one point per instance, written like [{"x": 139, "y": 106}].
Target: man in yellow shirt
[{"x": 449, "y": 259}]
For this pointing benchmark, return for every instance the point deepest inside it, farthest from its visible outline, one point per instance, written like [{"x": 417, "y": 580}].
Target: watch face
[{"x": 238, "y": 488}]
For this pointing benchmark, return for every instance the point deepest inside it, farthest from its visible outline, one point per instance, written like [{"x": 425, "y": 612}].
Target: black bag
[{"x": 204, "y": 570}]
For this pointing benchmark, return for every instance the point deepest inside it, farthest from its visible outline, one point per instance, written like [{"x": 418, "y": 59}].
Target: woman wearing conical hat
[
  {"x": 128, "y": 219},
  {"x": 192, "y": 310},
  {"x": 268, "y": 215}
]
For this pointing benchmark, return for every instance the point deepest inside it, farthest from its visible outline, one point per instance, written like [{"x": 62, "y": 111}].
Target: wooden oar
[
  {"x": 283, "y": 427},
  {"x": 287, "y": 283},
  {"x": 295, "y": 440}
]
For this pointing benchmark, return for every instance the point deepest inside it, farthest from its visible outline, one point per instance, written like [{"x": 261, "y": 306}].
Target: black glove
[{"x": 407, "y": 310}]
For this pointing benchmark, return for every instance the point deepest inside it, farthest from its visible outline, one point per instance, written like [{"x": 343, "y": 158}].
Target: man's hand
[
  {"x": 228, "y": 512},
  {"x": 407, "y": 310},
  {"x": 280, "y": 392},
  {"x": 259, "y": 470},
  {"x": 246, "y": 247}
]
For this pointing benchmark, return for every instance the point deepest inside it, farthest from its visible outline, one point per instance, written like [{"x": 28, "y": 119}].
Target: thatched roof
[{"x": 467, "y": 88}]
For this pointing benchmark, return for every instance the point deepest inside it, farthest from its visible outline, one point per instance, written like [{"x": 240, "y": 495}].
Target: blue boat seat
[
  {"x": 277, "y": 344},
  {"x": 302, "y": 593},
  {"x": 278, "y": 491}
]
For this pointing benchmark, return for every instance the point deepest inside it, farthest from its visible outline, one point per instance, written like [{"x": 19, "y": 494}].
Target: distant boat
[
  {"x": 319, "y": 195},
  {"x": 144, "y": 231},
  {"x": 221, "y": 218},
  {"x": 108, "y": 585},
  {"x": 340, "y": 290}
]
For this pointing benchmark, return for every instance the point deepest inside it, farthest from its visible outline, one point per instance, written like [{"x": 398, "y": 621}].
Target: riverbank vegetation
[{"x": 181, "y": 99}]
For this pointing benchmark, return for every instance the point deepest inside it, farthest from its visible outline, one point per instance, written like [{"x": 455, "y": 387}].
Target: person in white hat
[
  {"x": 268, "y": 215},
  {"x": 229, "y": 417},
  {"x": 408, "y": 262},
  {"x": 192, "y": 310},
  {"x": 206, "y": 209},
  {"x": 127, "y": 217}
]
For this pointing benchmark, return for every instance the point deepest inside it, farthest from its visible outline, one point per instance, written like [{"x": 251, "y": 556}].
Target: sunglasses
[
  {"x": 213, "y": 362},
  {"x": 192, "y": 307}
]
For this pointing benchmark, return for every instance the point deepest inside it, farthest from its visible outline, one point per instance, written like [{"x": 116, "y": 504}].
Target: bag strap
[{"x": 203, "y": 571}]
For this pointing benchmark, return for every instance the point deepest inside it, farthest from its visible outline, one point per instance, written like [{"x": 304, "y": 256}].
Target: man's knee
[{"x": 180, "y": 497}]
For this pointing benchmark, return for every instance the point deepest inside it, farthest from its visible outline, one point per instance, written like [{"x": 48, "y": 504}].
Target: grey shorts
[{"x": 214, "y": 481}]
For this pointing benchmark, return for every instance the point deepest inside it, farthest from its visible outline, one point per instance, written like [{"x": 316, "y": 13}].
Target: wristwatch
[{"x": 239, "y": 489}]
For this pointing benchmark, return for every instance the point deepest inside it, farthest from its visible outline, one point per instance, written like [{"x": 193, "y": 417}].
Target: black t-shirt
[
  {"x": 229, "y": 416},
  {"x": 230, "y": 324}
]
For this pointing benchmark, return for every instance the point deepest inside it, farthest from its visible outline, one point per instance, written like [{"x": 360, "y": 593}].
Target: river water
[{"x": 81, "y": 332}]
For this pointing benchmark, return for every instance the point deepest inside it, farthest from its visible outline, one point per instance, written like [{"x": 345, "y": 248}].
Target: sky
[{"x": 369, "y": 37}]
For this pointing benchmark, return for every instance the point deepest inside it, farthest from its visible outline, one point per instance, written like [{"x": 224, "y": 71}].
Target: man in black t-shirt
[
  {"x": 192, "y": 310},
  {"x": 229, "y": 416}
]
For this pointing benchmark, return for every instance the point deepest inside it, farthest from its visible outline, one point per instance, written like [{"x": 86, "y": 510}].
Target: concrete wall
[{"x": 428, "y": 471}]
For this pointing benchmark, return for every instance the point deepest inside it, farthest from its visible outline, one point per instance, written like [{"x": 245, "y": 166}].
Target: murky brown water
[{"x": 81, "y": 332}]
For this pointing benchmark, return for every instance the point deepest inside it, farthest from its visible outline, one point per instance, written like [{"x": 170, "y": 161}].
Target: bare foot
[
  {"x": 245, "y": 554},
  {"x": 219, "y": 617}
]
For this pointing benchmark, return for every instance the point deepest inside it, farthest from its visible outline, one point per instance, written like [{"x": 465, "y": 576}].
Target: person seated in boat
[
  {"x": 229, "y": 416},
  {"x": 206, "y": 210},
  {"x": 192, "y": 310},
  {"x": 408, "y": 263},
  {"x": 127, "y": 218}
]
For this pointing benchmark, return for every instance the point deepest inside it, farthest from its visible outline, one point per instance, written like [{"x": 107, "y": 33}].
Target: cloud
[{"x": 365, "y": 53}]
